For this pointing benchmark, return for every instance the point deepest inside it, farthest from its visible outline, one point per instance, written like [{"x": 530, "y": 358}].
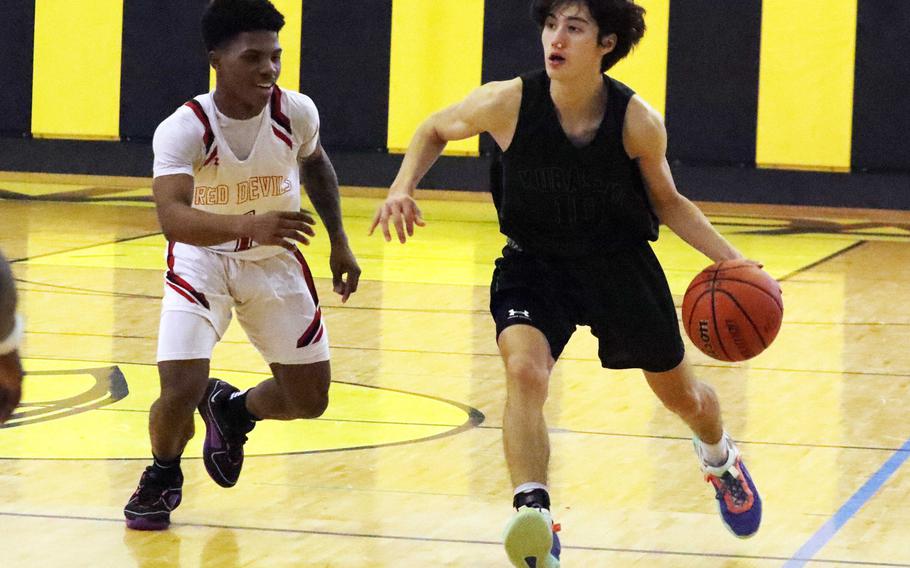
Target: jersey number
[{"x": 245, "y": 243}]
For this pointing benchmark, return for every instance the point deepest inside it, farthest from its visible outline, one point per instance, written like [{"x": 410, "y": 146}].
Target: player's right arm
[
  {"x": 492, "y": 108},
  {"x": 178, "y": 145},
  {"x": 183, "y": 224}
]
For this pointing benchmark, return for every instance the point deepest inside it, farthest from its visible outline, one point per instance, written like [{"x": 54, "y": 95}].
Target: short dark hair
[
  {"x": 624, "y": 18},
  {"x": 223, "y": 20}
]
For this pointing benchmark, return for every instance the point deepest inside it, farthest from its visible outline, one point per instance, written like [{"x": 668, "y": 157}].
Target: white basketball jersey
[{"x": 267, "y": 180}]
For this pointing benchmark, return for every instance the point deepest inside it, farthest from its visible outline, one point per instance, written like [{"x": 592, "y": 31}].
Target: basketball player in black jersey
[
  {"x": 583, "y": 185},
  {"x": 10, "y": 335}
]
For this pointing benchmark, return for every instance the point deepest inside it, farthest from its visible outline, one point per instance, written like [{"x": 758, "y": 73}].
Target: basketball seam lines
[
  {"x": 714, "y": 318},
  {"x": 756, "y": 286},
  {"x": 752, "y": 323},
  {"x": 694, "y": 305}
]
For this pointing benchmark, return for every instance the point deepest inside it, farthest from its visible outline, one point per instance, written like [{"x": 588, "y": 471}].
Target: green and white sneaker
[{"x": 530, "y": 539}]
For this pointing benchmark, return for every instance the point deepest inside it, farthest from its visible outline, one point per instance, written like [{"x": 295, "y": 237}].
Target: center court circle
[{"x": 89, "y": 410}]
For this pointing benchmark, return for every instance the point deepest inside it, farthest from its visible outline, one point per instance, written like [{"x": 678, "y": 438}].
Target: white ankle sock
[
  {"x": 530, "y": 486},
  {"x": 715, "y": 454}
]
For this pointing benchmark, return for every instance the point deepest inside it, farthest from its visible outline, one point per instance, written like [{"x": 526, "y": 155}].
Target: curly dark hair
[
  {"x": 225, "y": 19},
  {"x": 624, "y": 18}
]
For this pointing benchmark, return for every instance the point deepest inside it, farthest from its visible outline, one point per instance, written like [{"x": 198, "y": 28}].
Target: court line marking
[
  {"x": 652, "y": 552},
  {"x": 823, "y": 260},
  {"x": 557, "y": 430},
  {"x": 823, "y": 535},
  {"x": 84, "y": 247},
  {"x": 473, "y": 419},
  {"x": 857, "y": 374}
]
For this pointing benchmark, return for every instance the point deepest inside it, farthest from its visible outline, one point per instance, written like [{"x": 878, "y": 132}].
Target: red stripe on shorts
[
  {"x": 174, "y": 280},
  {"x": 311, "y": 331},
  {"x": 307, "y": 275}
]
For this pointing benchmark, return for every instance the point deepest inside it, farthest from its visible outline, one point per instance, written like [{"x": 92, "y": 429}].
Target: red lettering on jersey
[
  {"x": 206, "y": 195},
  {"x": 265, "y": 182},
  {"x": 259, "y": 187},
  {"x": 254, "y": 188}
]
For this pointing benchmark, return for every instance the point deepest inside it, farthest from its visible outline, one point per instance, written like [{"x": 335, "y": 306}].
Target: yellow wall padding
[
  {"x": 76, "y": 82},
  {"x": 805, "y": 102},
  {"x": 437, "y": 48},
  {"x": 645, "y": 69},
  {"x": 289, "y": 36}
]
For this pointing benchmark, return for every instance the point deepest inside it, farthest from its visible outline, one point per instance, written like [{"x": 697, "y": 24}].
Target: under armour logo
[{"x": 526, "y": 314}]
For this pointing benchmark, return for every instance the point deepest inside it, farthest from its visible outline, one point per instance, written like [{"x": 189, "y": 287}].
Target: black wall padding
[
  {"x": 511, "y": 40},
  {"x": 511, "y": 46},
  {"x": 344, "y": 68},
  {"x": 164, "y": 62},
  {"x": 881, "y": 104},
  {"x": 17, "y": 36},
  {"x": 712, "y": 80}
]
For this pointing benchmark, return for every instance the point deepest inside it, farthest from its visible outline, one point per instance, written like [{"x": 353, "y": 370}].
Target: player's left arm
[
  {"x": 321, "y": 185},
  {"x": 645, "y": 140}
]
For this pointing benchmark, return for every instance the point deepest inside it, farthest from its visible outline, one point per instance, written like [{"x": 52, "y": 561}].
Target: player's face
[
  {"x": 247, "y": 67},
  {"x": 570, "y": 43}
]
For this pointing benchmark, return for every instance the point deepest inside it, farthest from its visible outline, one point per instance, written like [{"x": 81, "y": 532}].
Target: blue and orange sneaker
[
  {"x": 222, "y": 451},
  {"x": 737, "y": 497},
  {"x": 530, "y": 539}
]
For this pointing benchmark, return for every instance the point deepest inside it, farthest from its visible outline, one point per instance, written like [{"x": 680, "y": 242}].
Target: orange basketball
[{"x": 732, "y": 310}]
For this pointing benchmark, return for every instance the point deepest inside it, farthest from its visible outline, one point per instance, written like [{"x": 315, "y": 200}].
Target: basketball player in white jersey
[
  {"x": 11, "y": 330},
  {"x": 228, "y": 169}
]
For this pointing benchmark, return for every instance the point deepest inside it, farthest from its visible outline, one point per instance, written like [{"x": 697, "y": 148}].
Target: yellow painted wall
[
  {"x": 76, "y": 81},
  {"x": 645, "y": 69},
  {"x": 437, "y": 47},
  {"x": 805, "y": 103}
]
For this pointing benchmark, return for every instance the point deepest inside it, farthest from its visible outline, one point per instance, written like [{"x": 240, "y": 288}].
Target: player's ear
[
  {"x": 214, "y": 59},
  {"x": 608, "y": 43}
]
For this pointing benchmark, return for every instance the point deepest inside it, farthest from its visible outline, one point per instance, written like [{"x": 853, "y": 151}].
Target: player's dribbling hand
[
  {"x": 403, "y": 212},
  {"x": 342, "y": 262},
  {"x": 282, "y": 228},
  {"x": 10, "y": 384}
]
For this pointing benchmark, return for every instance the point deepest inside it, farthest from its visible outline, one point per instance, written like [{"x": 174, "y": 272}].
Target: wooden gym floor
[{"x": 406, "y": 468}]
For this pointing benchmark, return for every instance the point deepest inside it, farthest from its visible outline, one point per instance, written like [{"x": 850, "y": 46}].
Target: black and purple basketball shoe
[
  {"x": 222, "y": 451},
  {"x": 159, "y": 493}
]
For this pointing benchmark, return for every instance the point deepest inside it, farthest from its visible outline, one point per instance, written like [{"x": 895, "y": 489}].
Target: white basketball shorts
[{"x": 275, "y": 300}]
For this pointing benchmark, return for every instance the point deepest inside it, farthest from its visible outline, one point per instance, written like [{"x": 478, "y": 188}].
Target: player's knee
[
  {"x": 527, "y": 377},
  {"x": 310, "y": 404},
  {"x": 179, "y": 399}
]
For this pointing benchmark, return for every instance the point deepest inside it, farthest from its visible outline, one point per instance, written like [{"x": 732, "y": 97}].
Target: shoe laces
[
  {"x": 151, "y": 486},
  {"x": 235, "y": 438},
  {"x": 733, "y": 486},
  {"x": 235, "y": 446}
]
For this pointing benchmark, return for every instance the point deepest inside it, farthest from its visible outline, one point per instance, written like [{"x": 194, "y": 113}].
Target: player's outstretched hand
[
  {"x": 403, "y": 212},
  {"x": 282, "y": 228},
  {"x": 10, "y": 384},
  {"x": 342, "y": 263}
]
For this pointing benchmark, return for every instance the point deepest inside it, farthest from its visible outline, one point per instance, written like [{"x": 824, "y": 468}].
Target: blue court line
[{"x": 846, "y": 512}]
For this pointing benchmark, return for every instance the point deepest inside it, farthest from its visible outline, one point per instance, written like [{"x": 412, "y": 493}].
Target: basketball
[{"x": 732, "y": 310}]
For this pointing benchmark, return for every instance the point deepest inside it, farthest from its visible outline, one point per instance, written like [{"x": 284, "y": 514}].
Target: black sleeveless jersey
[{"x": 558, "y": 200}]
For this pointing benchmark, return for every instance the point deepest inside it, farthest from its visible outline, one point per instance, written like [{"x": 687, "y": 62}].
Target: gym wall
[{"x": 765, "y": 93}]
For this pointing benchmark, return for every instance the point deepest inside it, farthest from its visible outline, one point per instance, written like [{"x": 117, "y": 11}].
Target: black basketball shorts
[{"x": 622, "y": 295}]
